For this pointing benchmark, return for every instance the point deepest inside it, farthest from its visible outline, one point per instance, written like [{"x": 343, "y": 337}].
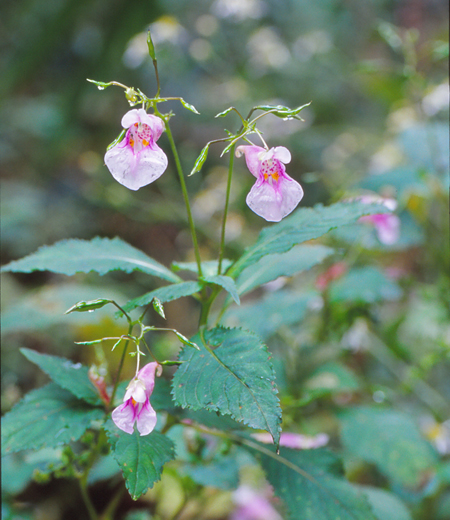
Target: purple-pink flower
[
  {"x": 295, "y": 441},
  {"x": 387, "y": 225},
  {"x": 137, "y": 160},
  {"x": 274, "y": 194},
  {"x": 136, "y": 405},
  {"x": 252, "y": 504}
]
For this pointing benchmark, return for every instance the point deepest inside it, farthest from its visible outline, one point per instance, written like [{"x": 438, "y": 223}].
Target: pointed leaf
[
  {"x": 271, "y": 267},
  {"x": 303, "y": 225},
  {"x": 186, "y": 341},
  {"x": 47, "y": 417},
  {"x": 200, "y": 160},
  {"x": 164, "y": 294},
  {"x": 82, "y": 256},
  {"x": 117, "y": 139},
  {"x": 209, "y": 267},
  {"x": 311, "y": 484},
  {"x": 88, "y": 306},
  {"x": 189, "y": 106},
  {"x": 227, "y": 283},
  {"x": 140, "y": 457},
  {"x": 72, "y": 377},
  {"x": 224, "y": 112},
  {"x": 158, "y": 306},
  {"x": 235, "y": 378}
]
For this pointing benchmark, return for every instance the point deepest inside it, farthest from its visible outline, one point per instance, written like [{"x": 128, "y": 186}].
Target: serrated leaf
[
  {"x": 83, "y": 256},
  {"x": 73, "y": 377},
  {"x": 189, "y": 106},
  {"x": 390, "y": 440},
  {"x": 47, "y": 417},
  {"x": 303, "y": 225},
  {"x": 270, "y": 267},
  {"x": 236, "y": 378},
  {"x": 140, "y": 457},
  {"x": 311, "y": 484},
  {"x": 200, "y": 160},
  {"x": 164, "y": 294},
  {"x": 227, "y": 283}
]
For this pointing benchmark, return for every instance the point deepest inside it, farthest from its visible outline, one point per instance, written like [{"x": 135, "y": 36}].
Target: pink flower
[
  {"x": 137, "y": 160},
  {"x": 274, "y": 194},
  {"x": 136, "y": 405},
  {"x": 387, "y": 225},
  {"x": 295, "y": 441},
  {"x": 253, "y": 505}
]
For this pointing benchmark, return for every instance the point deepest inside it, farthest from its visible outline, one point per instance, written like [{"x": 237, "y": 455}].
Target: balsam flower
[
  {"x": 274, "y": 194},
  {"x": 137, "y": 160},
  {"x": 387, "y": 225},
  {"x": 136, "y": 405},
  {"x": 295, "y": 441}
]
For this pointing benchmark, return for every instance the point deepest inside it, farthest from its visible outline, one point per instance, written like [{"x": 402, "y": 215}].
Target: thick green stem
[
  {"x": 186, "y": 199},
  {"x": 225, "y": 211}
]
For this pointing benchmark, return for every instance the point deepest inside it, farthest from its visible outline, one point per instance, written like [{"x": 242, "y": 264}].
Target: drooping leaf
[
  {"x": 82, "y": 256},
  {"x": 311, "y": 484},
  {"x": 364, "y": 284},
  {"x": 164, "y": 294},
  {"x": 303, "y": 225},
  {"x": 224, "y": 112},
  {"x": 189, "y": 106},
  {"x": 200, "y": 160},
  {"x": 140, "y": 457},
  {"x": 270, "y": 267},
  {"x": 389, "y": 439},
  {"x": 227, "y": 283},
  {"x": 274, "y": 311},
  {"x": 46, "y": 417},
  {"x": 235, "y": 378},
  {"x": 68, "y": 375}
]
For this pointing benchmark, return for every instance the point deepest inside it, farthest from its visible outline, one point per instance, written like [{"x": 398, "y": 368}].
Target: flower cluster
[{"x": 136, "y": 407}]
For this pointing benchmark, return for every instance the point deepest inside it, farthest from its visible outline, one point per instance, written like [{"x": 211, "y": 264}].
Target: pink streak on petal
[
  {"x": 146, "y": 419},
  {"x": 147, "y": 376},
  {"x": 252, "y": 157},
  {"x": 150, "y": 165},
  {"x": 124, "y": 416}
]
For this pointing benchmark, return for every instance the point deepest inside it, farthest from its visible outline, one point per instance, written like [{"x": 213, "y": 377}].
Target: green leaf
[
  {"x": 390, "y": 440},
  {"x": 224, "y": 112},
  {"x": 275, "y": 310},
  {"x": 140, "y": 457},
  {"x": 226, "y": 282},
  {"x": 47, "y": 417},
  {"x": 72, "y": 377},
  {"x": 236, "y": 378},
  {"x": 82, "y": 256},
  {"x": 386, "y": 506},
  {"x": 281, "y": 111},
  {"x": 303, "y": 225},
  {"x": 117, "y": 139},
  {"x": 200, "y": 160},
  {"x": 151, "y": 46},
  {"x": 164, "y": 294},
  {"x": 311, "y": 484},
  {"x": 364, "y": 284},
  {"x": 100, "y": 84},
  {"x": 270, "y": 267},
  {"x": 222, "y": 473},
  {"x": 186, "y": 341},
  {"x": 209, "y": 268},
  {"x": 158, "y": 306},
  {"x": 189, "y": 106}
]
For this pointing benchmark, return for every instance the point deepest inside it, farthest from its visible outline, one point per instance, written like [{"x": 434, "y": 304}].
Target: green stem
[
  {"x": 87, "y": 500},
  {"x": 225, "y": 211},
  {"x": 186, "y": 198},
  {"x": 122, "y": 360}
]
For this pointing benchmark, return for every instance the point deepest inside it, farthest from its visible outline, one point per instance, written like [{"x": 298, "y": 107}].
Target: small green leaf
[
  {"x": 117, "y": 139},
  {"x": 311, "y": 484},
  {"x": 70, "y": 376},
  {"x": 88, "y": 306},
  {"x": 164, "y": 294},
  {"x": 151, "y": 47},
  {"x": 189, "y": 106},
  {"x": 236, "y": 378},
  {"x": 389, "y": 439},
  {"x": 100, "y": 84},
  {"x": 158, "y": 306},
  {"x": 227, "y": 283},
  {"x": 47, "y": 417},
  {"x": 225, "y": 112},
  {"x": 200, "y": 160},
  {"x": 186, "y": 341},
  {"x": 83, "y": 256},
  {"x": 140, "y": 457}
]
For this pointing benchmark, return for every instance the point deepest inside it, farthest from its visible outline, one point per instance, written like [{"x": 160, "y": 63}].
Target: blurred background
[{"x": 376, "y": 73}]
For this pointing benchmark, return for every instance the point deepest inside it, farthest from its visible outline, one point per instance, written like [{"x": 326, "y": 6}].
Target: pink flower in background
[
  {"x": 295, "y": 441},
  {"x": 387, "y": 225},
  {"x": 274, "y": 194},
  {"x": 137, "y": 160},
  {"x": 136, "y": 405},
  {"x": 252, "y": 504}
]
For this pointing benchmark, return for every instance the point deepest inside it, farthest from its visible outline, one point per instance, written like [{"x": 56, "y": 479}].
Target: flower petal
[
  {"x": 131, "y": 117},
  {"x": 253, "y": 156},
  {"x": 282, "y": 154},
  {"x": 273, "y": 202},
  {"x": 147, "y": 376},
  {"x": 124, "y": 416},
  {"x": 146, "y": 419}
]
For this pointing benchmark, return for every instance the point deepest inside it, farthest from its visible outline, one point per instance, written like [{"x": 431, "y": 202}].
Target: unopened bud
[
  {"x": 131, "y": 95},
  {"x": 151, "y": 47}
]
